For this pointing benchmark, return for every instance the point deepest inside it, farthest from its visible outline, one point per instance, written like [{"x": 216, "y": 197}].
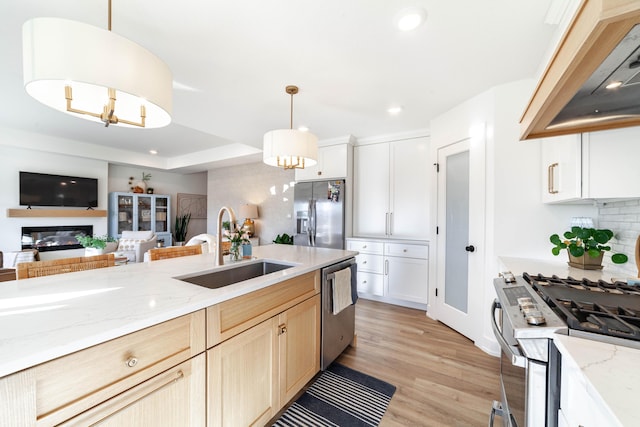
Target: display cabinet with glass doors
[{"x": 140, "y": 212}]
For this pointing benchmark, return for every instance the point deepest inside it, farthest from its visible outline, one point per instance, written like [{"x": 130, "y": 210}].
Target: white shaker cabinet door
[
  {"x": 561, "y": 168},
  {"x": 610, "y": 164},
  {"x": 409, "y": 182},
  {"x": 371, "y": 195},
  {"x": 407, "y": 279},
  {"x": 332, "y": 164}
]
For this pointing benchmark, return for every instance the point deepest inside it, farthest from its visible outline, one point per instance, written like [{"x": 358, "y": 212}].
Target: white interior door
[{"x": 455, "y": 297}]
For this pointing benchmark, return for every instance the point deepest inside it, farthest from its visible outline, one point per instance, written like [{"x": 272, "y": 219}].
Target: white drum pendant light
[
  {"x": 95, "y": 74},
  {"x": 290, "y": 148}
]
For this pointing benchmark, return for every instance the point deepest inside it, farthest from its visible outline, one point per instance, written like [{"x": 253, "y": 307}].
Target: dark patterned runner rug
[{"x": 339, "y": 397}]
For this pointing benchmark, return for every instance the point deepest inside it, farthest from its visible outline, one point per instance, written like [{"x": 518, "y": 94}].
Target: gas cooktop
[{"x": 590, "y": 307}]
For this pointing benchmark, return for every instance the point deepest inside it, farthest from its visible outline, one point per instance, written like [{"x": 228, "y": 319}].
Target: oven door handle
[{"x": 517, "y": 358}]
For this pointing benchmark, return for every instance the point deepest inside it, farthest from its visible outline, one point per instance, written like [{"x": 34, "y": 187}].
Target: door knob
[{"x": 470, "y": 248}]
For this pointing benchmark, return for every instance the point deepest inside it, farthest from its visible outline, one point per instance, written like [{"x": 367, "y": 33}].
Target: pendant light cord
[
  {"x": 291, "y": 118},
  {"x": 109, "y": 20}
]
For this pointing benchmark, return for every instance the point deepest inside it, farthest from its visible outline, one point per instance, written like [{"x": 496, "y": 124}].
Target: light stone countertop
[
  {"x": 548, "y": 268},
  {"x": 47, "y": 317},
  {"x": 611, "y": 373}
]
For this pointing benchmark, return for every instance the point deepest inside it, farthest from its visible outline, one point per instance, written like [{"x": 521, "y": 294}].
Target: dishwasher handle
[{"x": 517, "y": 358}]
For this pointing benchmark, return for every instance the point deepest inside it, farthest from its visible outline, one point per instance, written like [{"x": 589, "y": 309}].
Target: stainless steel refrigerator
[{"x": 319, "y": 213}]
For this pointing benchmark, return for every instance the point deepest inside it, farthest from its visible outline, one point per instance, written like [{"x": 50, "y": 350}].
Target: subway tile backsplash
[{"x": 623, "y": 218}]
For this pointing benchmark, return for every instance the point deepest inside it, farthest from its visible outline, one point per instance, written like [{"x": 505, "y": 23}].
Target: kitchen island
[{"x": 58, "y": 317}]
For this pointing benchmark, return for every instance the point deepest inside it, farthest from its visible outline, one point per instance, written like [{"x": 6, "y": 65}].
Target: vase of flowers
[{"x": 237, "y": 237}]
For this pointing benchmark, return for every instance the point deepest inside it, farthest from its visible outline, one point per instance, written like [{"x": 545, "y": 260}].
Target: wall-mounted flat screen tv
[{"x": 39, "y": 189}]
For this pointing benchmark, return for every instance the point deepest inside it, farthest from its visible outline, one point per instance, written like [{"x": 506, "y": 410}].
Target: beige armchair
[
  {"x": 207, "y": 241},
  {"x": 134, "y": 244}
]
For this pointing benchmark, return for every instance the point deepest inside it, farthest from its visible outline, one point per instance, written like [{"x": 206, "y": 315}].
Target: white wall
[
  {"x": 522, "y": 224},
  {"x": 266, "y": 186},
  {"x": 19, "y": 159},
  {"x": 163, "y": 183},
  {"x": 516, "y": 222}
]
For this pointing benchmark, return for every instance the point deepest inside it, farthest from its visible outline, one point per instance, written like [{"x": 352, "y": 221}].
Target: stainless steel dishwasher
[{"x": 337, "y": 330}]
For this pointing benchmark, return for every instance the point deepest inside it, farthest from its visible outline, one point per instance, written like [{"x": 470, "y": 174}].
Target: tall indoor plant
[
  {"x": 585, "y": 247},
  {"x": 180, "y": 228}
]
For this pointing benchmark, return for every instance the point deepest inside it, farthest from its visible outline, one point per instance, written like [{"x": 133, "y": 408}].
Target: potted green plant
[
  {"x": 586, "y": 247},
  {"x": 97, "y": 245},
  {"x": 284, "y": 239},
  {"x": 180, "y": 228}
]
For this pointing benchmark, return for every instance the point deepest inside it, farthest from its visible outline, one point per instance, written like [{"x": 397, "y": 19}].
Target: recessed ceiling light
[
  {"x": 613, "y": 85},
  {"x": 411, "y": 18},
  {"x": 153, "y": 152},
  {"x": 394, "y": 110}
]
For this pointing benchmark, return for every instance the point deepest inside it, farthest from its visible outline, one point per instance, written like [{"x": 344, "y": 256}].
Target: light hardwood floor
[{"x": 442, "y": 379}]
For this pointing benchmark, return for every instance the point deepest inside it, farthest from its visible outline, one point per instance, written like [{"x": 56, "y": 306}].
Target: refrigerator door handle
[
  {"x": 312, "y": 213},
  {"x": 309, "y": 221}
]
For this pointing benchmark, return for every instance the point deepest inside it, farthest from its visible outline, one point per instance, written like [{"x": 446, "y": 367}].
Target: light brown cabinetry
[
  {"x": 299, "y": 344},
  {"x": 253, "y": 373},
  {"x": 172, "y": 398},
  {"x": 93, "y": 379},
  {"x": 242, "y": 377},
  {"x": 263, "y": 347},
  {"x": 233, "y": 316}
]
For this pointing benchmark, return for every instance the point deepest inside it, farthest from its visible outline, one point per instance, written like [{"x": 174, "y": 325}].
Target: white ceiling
[{"x": 231, "y": 61}]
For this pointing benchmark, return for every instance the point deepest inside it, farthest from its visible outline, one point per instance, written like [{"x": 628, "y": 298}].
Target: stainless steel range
[
  {"x": 529, "y": 311},
  {"x": 601, "y": 311}
]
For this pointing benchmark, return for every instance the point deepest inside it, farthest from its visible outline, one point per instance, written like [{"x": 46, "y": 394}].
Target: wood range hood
[{"x": 601, "y": 46}]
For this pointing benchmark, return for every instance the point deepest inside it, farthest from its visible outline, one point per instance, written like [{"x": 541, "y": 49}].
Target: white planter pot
[{"x": 111, "y": 247}]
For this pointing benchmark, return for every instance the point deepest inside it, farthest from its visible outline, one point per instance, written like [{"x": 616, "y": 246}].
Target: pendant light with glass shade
[
  {"x": 290, "y": 148},
  {"x": 95, "y": 74}
]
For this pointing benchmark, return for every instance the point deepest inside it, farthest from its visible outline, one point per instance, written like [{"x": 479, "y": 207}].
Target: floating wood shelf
[{"x": 55, "y": 213}]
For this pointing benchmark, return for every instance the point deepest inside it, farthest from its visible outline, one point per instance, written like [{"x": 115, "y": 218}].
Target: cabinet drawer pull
[
  {"x": 364, "y": 281},
  {"x": 364, "y": 262},
  {"x": 404, "y": 250},
  {"x": 116, "y": 404},
  {"x": 282, "y": 329},
  {"x": 364, "y": 246},
  {"x": 131, "y": 362}
]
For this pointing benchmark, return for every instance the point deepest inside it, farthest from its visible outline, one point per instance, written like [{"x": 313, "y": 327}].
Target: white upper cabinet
[
  {"x": 594, "y": 165},
  {"x": 333, "y": 163},
  {"x": 561, "y": 169},
  {"x": 391, "y": 182},
  {"x": 612, "y": 161},
  {"x": 409, "y": 182},
  {"x": 371, "y": 195}
]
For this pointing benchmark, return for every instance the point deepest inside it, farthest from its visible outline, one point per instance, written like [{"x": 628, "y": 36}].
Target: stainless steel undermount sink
[{"x": 220, "y": 278}]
